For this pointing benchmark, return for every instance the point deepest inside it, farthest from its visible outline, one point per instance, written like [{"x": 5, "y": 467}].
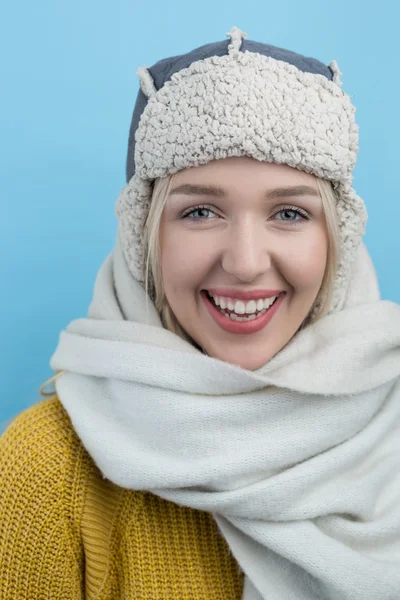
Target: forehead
[{"x": 243, "y": 174}]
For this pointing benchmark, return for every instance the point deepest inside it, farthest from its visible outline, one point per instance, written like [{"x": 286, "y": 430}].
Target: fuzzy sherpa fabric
[
  {"x": 246, "y": 103},
  {"x": 163, "y": 70}
]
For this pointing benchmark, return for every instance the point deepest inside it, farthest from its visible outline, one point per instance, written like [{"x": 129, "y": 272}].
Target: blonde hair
[
  {"x": 153, "y": 273},
  {"x": 161, "y": 190}
]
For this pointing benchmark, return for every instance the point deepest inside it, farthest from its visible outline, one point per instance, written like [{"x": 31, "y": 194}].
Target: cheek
[
  {"x": 184, "y": 262},
  {"x": 304, "y": 264}
]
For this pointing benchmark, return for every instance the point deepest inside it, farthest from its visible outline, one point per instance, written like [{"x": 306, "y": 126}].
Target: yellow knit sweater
[{"x": 67, "y": 533}]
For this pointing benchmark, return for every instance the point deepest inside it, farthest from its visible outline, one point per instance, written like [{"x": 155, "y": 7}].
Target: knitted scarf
[{"x": 298, "y": 461}]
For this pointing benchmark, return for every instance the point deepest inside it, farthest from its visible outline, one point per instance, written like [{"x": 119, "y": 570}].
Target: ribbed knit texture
[{"x": 67, "y": 533}]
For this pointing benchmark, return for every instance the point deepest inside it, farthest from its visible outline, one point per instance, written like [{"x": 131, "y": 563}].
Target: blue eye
[
  {"x": 293, "y": 209},
  {"x": 288, "y": 209},
  {"x": 197, "y": 209}
]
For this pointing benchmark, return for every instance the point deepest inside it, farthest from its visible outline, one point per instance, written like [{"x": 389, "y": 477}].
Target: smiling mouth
[{"x": 230, "y": 314}]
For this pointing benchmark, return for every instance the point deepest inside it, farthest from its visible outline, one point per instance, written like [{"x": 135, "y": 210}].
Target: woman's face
[{"x": 242, "y": 239}]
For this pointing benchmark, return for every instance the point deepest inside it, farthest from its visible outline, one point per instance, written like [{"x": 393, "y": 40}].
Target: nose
[{"x": 246, "y": 253}]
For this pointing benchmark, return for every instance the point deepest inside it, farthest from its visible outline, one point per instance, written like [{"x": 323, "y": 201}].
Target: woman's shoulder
[
  {"x": 39, "y": 529},
  {"x": 39, "y": 431},
  {"x": 38, "y": 452},
  {"x": 42, "y": 455},
  {"x": 41, "y": 450}
]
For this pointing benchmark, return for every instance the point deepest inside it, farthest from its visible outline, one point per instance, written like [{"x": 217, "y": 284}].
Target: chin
[{"x": 242, "y": 360}]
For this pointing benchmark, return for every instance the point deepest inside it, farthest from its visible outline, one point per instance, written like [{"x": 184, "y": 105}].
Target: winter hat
[{"x": 242, "y": 98}]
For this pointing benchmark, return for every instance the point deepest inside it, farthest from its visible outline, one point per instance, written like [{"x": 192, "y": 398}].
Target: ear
[{"x": 146, "y": 82}]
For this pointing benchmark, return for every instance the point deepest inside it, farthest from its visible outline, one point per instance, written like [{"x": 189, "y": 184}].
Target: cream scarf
[{"x": 299, "y": 461}]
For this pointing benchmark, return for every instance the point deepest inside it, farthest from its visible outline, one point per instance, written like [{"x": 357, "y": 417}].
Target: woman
[{"x": 192, "y": 452}]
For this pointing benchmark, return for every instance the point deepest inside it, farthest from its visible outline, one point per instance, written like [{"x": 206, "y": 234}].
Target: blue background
[{"x": 68, "y": 87}]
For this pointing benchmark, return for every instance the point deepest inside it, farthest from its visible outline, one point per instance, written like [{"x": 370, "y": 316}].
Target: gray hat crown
[{"x": 162, "y": 71}]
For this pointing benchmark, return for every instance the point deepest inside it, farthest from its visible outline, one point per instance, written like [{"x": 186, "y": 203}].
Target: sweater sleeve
[{"x": 40, "y": 551}]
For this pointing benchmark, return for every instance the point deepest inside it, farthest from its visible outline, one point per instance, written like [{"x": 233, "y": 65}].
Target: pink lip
[
  {"x": 244, "y": 327},
  {"x": 243, "y": 295}
]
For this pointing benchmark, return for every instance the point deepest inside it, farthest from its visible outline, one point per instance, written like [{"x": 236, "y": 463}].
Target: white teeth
[
  {"x": 269, "y": 301},
  {"x": 241, "y": 308},
  {"x": 235, "y": 317},
  {"x": 222, "y": 303},
  {"x": 251, "y": 307}
]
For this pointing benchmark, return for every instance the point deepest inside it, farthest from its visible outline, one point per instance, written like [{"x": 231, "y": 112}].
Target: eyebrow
[{"x": 280, "y": 192}]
